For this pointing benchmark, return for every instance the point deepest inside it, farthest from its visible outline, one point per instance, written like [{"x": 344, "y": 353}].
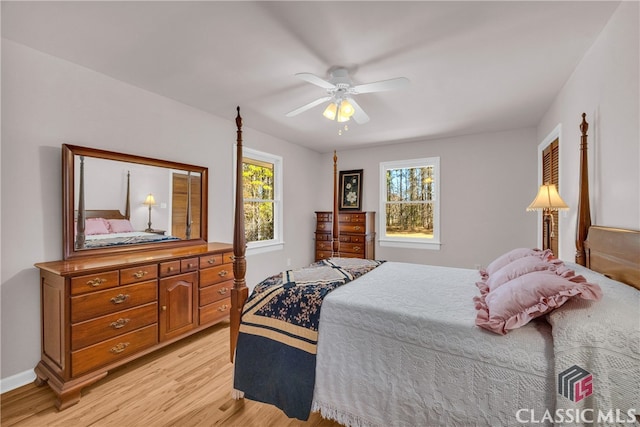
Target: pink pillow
[
  {"x": 96, "y": 226},
  {"x": 531, "y": 295},
  {"x": 513, "y": 255},
  {"x": 515, "y": 269},
  {"x": 120, "y": 225}
]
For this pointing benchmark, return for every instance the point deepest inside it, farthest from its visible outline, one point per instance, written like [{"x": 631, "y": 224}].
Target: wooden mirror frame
[{"x": 69, "y": 205}]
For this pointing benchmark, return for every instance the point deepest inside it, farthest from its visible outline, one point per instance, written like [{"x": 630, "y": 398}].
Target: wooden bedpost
[
  {"x": 584, "y": 212},
  {"x": 240, "y": 292},
  {"x": 80, "y": 225},
  {"x": 335, "y": 248},
  {"x": 127, "y": 203}
]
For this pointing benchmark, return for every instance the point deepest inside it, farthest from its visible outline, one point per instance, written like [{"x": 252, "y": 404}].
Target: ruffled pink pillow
[
  {"x": 520, "y": 300},
  {"x": 513, "y": 255},
  {"x": 96, "y": 226},
  {"x": 517, "y": 268},
  {"x": 120, "y": 225}
]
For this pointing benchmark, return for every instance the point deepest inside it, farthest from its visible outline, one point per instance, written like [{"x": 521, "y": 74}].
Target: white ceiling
[{"x": 474, "y": 66}]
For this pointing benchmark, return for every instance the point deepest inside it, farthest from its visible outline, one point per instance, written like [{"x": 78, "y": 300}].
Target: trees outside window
[
  {"x": 261, "y": 174},
  {"x": 410, "y": 203}
]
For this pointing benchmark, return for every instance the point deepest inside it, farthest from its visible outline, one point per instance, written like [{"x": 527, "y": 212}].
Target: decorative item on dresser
[{"x": 356, "y": 235}]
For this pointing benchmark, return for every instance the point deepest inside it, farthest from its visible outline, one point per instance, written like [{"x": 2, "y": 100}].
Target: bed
[
  {"x": 400, "y": 345},
  {"x": 108, "y": 227}
]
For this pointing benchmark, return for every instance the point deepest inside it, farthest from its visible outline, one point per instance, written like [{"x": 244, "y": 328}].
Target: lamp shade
[
  {"x": 548, "y": 198},
  {"x": 150, "y": 200},
  {"x": 330, "y": 111}
]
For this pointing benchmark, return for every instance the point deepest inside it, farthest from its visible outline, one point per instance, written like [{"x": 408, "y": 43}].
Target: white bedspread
[
  {"x": 603, "y": 338},
  {"x": 424, "y": 362}
]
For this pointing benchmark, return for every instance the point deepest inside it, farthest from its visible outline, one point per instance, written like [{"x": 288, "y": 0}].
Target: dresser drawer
[
  {"x": 210, "y": 260},
  {"x": 323, "y": 255},
  {"x": 323, "y": 216},
  {"x": 324, "y": 226},
  {"x": 88, "y": 306},
  {"x": 227, "y": 257},
  {"x": 109, "y": 326},
  {"x": 187, "y": 265},
  {"x": 169, "y": 268},
  {"x": 356, "y": 218},
  {"x": 354, "y": 248},
  {"x": 94, "y": 282},
  {"x": 352, "y": 238},
  {"x": 216, "y": 311},
  {"x": 214, "y": 293},
  {"x": 323, "y": 236},
  {"x": 352, "y": 228},
  {"x": 324, "y": 246},
  {"x": 138, "y": 274},
  {"x": 210, "y": 276},
  {"x": 112, "y": 350}
]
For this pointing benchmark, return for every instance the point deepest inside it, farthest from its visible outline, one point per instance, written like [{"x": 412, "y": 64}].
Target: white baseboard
[{"x": 17, "y": 380}]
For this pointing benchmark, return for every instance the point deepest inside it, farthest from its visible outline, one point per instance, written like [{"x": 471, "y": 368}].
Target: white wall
[
  {"x": 47, "y": 101},
  {"x": 486, "y": 183},
  {"x": 605, "y": 87}
]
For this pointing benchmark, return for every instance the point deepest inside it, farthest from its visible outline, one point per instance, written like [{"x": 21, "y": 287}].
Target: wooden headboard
[{"x": 614, "y": 252}]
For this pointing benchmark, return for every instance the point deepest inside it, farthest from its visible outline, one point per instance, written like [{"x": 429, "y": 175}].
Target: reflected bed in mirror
[{"x": 115, "y": 202}]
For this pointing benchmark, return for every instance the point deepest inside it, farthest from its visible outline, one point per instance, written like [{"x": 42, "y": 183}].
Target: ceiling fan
[{"x": 341, "y": 91}]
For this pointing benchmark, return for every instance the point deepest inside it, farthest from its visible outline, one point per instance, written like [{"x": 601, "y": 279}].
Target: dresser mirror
[{"x": 115, "y": 202}]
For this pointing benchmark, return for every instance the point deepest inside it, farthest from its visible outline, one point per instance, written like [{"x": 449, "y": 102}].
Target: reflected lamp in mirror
[
  {"x": 548, "y": 200},
  {"x": 149, "y": 201}
]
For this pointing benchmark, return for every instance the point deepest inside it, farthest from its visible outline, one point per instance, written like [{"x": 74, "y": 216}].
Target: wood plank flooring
[{"x": 183, "y": 385}]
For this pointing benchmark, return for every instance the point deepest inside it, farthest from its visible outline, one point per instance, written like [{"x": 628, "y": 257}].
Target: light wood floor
[{"x": 185, "y": 384}]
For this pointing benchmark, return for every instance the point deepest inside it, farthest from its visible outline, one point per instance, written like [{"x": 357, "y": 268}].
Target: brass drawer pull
[
  {"x": 120, "y": 323},
  {"x": 139, "y": 274},
  {"x": 223, "y": 307},
  {"x": 223, "y": 291},
  {"x": 223, "y": 273},
  {"x": 96, "y": 282},
  {"x": 357, "y": 228},
  {"x": 170, "y": 269},
  {"x": 119, "y": 348},
  {"x": 119, "y": 299},
  {"x": 211, "y": 261},
  {"x": 356, "y": 248},
  {"x": 190, "y": 265}
]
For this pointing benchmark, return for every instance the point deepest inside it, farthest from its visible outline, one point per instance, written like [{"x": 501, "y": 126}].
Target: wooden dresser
[
  {"x": 101, "y": 312},
  {"x": 356, "y": 230}
]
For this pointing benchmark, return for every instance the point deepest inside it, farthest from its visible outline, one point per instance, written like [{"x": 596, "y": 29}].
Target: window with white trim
[
  {"x": 410, "y": 203},
  {"x": 262, "y": 194}
]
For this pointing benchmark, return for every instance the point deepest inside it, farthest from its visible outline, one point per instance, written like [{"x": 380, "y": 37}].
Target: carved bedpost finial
[
  {"x": 238, "y": 119},
  {"x": 584, "y": 126}
]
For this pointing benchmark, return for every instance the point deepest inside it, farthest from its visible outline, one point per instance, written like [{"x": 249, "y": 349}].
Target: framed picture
[{"x": 350, "y": 190}]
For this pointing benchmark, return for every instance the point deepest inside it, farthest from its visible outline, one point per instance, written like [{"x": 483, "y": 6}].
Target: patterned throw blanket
[{"x": 276, "y": 352}]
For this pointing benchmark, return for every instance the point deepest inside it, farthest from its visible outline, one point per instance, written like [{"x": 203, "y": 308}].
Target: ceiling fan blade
[
  {"x": 382, "y": 85},
  {"x": 359, "y": 115},
  {"x": 313, "y": 79},
  {"x": 308, "y": 106}
]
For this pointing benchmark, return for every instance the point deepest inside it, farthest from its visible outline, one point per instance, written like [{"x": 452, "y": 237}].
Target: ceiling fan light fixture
[
  {"x": 330, "y": 111},
  {"x": 346, "y": 109}
]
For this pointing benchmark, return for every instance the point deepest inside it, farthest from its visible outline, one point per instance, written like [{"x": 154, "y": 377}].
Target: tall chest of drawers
[
  {"x": 356, "y": 234},
  {"x": 99, "y": 313}
]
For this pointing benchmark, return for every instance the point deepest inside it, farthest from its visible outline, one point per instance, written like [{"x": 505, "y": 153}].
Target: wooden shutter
[{"x": 550, "y": 173}]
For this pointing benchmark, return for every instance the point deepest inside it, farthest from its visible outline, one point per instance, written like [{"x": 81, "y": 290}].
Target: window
[
  {"x": 262, "y": 189},
  {"x": 409, "y": 203}
]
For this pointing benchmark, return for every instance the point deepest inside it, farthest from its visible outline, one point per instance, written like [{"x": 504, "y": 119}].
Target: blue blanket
[{"x": 275, "y": 357}]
